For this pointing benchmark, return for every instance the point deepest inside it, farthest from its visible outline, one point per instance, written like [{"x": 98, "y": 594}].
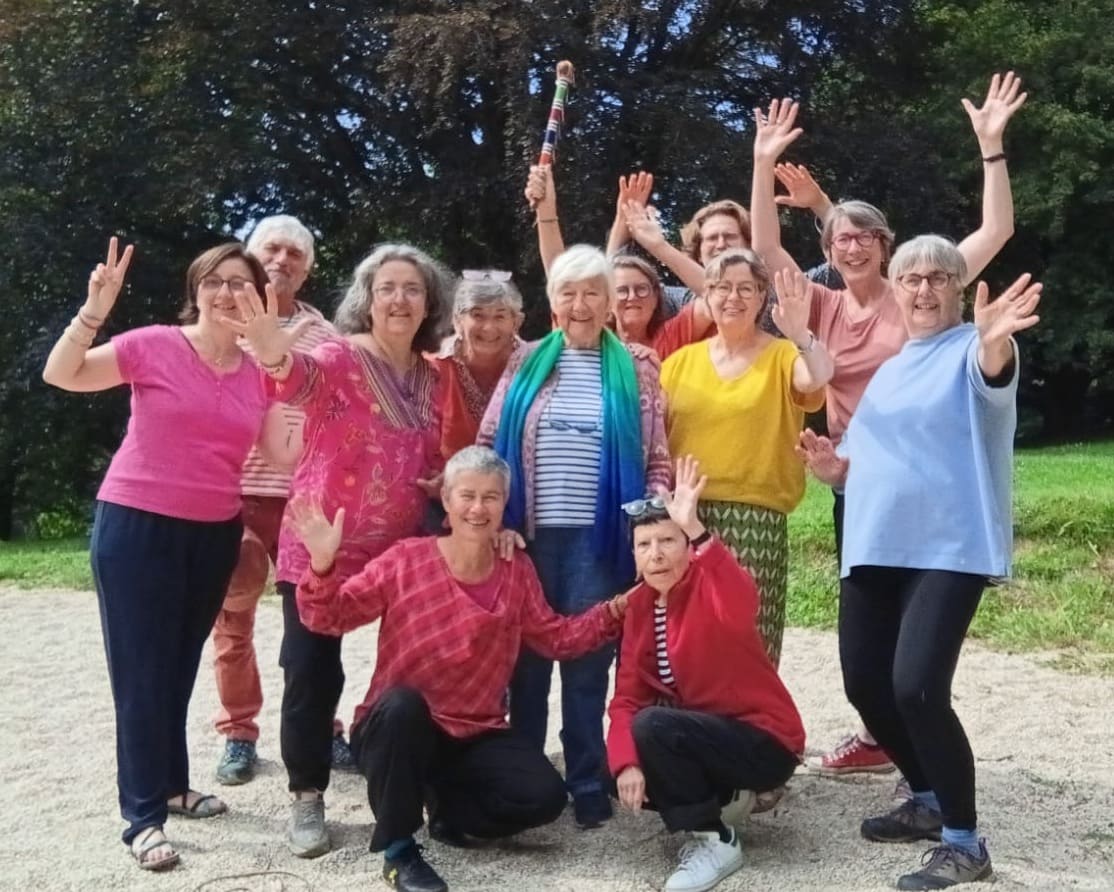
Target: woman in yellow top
[{"x": 737, "y": 403}]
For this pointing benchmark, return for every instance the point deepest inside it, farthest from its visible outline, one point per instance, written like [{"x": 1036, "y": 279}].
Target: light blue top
[{"x": 931, "y": 459}]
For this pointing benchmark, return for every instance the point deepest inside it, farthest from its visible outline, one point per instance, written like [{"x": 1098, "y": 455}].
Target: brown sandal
[{"x": 142, "y": 847}]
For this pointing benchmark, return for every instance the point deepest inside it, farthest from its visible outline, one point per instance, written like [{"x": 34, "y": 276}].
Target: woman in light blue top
[{"x": 926, "y": 466}]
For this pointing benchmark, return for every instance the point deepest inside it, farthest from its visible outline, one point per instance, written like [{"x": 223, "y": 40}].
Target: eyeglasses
[
  {"x": 937, "y": 280},
  {"x": 644, "y": 506},
  {"x": 634, "y": 292},
  {"x": 480, "y": 275},
  {"x": 581, "y": 427},
  {"x": 236, "y": 284},
  {"x": 745, "y": 290},
  {"x": 410, "y": 292},
  {"x": 865, "y": 239}
]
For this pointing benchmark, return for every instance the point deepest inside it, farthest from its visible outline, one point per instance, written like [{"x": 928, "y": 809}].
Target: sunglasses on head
[
  {"x": 644, "y": 506},
  {"x": 480, "y": 275}
]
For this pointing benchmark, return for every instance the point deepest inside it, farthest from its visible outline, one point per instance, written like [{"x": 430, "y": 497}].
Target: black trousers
[
  {"x": 900, "y": 633},
  {"x": 837, "y": 524},
  {"x": 694, "y": 761},
  {"x": 160, "y": 585},
  {"x": 492, "y": 785},
  {"x": 313, "y": 680}
]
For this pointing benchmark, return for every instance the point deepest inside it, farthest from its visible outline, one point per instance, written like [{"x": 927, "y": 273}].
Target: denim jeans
[{"x": 573, "y": 579}]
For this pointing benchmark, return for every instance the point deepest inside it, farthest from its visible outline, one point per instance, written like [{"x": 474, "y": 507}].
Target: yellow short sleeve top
[{"x": 743, "y": 430}]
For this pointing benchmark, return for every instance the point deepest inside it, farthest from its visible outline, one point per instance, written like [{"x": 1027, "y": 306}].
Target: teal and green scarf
[{"x": 622, "y": 470}]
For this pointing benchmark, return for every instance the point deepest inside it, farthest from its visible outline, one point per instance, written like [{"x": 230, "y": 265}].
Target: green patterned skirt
[{"x": 759, "y": 539}]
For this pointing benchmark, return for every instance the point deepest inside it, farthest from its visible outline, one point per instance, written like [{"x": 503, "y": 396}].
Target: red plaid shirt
[{"x": 435, "y": 638}]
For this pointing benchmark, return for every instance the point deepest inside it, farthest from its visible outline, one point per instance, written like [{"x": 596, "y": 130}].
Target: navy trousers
[{"x": 160, "y": 585}]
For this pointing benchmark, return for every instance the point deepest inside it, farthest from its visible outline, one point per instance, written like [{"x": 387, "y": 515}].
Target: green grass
[
  {"x": 62, "y": 563},
  {"x": 1061, "y": 599}
]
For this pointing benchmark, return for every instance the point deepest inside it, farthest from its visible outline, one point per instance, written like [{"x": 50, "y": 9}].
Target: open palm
[
  {"x": 321, "y": 538},
  {"x": 774, "y": 131},
  {"x": 1013, "y": 311},
  {"x": 1003, "y": 98}
]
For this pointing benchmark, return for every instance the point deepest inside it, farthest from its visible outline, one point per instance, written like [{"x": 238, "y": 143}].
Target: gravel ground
[{"x": 1042, "y": 740}]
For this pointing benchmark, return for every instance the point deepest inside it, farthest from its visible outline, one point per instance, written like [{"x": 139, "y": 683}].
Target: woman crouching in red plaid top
[{"x": 453, "y": 618}]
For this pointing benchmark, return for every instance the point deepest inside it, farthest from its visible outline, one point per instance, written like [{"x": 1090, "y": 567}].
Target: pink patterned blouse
[{"x": 369, "y": 437}]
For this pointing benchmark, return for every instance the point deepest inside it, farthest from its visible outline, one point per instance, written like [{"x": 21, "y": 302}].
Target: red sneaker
[{"x": 853, "y": 755}]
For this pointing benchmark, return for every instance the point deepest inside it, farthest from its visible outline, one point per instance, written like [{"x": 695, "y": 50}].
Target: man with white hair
[{"x": 285, "y": 248}]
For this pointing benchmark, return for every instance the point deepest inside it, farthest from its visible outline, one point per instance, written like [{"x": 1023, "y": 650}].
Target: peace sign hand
[
  {"x": 1011, "y": 312},
  {"x": 106, "y": 280},
  {"x": 1003, "y": 98},
  {"x": 774, "y": 132},
  {"x": 261, "y": 327}
]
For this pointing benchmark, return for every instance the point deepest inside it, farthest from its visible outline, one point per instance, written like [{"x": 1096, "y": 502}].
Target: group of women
[{"x": 920, "y": 423}]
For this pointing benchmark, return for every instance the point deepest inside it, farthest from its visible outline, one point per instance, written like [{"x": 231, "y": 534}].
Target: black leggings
[{"x": 900, "y": 632}]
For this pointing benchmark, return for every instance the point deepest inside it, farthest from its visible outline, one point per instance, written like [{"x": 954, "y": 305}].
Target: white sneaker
[
  {"x": 704, "y": 861},
  {"x": 738, "y": 808}
]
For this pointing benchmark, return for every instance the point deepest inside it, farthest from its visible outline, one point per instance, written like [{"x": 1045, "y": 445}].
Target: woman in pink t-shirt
[
  {"x": 167, "y": 528},
  {"x": 861, "y": 324},
  {"x": 372, "y": 447}
]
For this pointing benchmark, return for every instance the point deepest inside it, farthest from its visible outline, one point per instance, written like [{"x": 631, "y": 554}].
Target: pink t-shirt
[
  {"x": 857, "y": 348},
  {"x": 190, "y": 428},
  {"x": 369, "y": 437}
]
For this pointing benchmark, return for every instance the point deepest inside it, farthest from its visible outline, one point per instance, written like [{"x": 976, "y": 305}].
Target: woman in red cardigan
[{"x": 700, "y": 720}]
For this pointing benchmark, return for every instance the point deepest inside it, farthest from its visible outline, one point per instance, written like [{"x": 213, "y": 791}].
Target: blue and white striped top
[{"x": 570, "y": 435}]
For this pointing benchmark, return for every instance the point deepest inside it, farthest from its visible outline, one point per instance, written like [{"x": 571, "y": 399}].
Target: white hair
[
  {"x": 481, "y": 459},
  {"x": 578, "y": 264},
  {"x": 283, "y": 227},
  {"x": 934, "y": 251}
]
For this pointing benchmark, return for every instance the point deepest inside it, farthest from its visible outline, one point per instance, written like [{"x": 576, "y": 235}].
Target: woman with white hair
[
  {"x": 372, "y": 436},
  {"x": 487, "y": 314},
  {"x": 861, "y": 323},
  {"x": 580, "y": 421},
  {"x": 932, "y": 441}
]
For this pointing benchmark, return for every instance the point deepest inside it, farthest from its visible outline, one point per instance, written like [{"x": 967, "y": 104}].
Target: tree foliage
[{"x": 177, "y": 124}]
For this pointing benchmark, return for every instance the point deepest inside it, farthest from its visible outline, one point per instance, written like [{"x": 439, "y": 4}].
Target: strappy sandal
[
  {"x": 142, "y": 846},
  {"x": 205, "y": 806}
]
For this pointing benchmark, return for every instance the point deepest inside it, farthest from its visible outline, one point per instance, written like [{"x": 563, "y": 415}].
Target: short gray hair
[
  {"x": 472, "y": 293},
  {"x": 578, "y": 264},
  {"x": 863, "y": 215},
  {"x": 353, "y": 316},
  {"x": 935, "y": 252},
  {"x": 285, "y": 228},
  {"x": 481, "y": 459}
]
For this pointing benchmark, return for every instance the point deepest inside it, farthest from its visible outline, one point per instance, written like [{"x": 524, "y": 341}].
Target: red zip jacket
[{"x": 715, "y": 651}]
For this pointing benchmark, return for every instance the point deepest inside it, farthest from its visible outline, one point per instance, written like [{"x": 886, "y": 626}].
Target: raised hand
[
  {"x": 1011, "y": 312},
  {"x": 540, "y": 192},
  {"x": 321, "y": 538},
  {"x": 804, "y": 191},
  {"x": 794, "y": 298},
  {"x": 688, "y": 484},
  {"x": 820, "y": 458},
  {"x": 643, "y": 224},
  {"x": 637, "y": 188},
  {"x": 261, "y": 325},
  {"x": 1003, "y": 98},
  {"x": 105, "y": 282},
  {"x": 774, "y": 131}
]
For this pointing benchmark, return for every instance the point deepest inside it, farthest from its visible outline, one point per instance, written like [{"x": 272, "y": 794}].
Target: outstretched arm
[
  {"x": 645, "y": 227},
  {"x": 1013, "y": 311},
  {"x": 1003, "y": 98},
  {"x": 541, "y": 193},
  {"x": 773, "y": 134},
  {"x": 637, "y": 187},
  {"x": 71, "y": 365}
]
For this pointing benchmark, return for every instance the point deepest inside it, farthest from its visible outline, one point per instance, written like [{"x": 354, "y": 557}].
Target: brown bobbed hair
[
  {"x": 690, "y": 232},
  {"x": 206, "y": 262},
  {"x": 718, "y": 265},
  {"x": 630, "y": 261}
]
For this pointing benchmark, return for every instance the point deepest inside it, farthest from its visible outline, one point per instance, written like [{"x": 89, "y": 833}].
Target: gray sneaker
[
  {"x": 908, "y": 822},
  {"x": 237, "y": 765},
  {"x": 306, "y": 835},
  {"x": 946, "y": 866}
]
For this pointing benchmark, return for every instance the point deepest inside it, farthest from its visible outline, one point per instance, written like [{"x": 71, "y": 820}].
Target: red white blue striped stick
[{"x": 565, "y": 76}]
